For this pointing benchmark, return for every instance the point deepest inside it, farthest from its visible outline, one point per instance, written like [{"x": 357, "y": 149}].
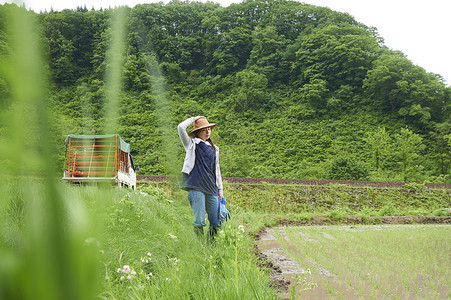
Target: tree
[
  {"x": 135, "y": 69},
  {"x": 249, "y": 92},
  {"x": 395, "y": 84},
  {"x": 266, "y": 55},
  {"x": 378, "y": 143},
  {"x": 440, "y": 145},
  {"x": 316, "y": 93},
  {"x": 409, "y": 146},
  {"x": 341, "y": 55},
  {"x": 231, "y": 51}
]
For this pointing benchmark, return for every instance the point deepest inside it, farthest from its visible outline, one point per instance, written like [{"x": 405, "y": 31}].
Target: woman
[{"x": 201, "y": 174}]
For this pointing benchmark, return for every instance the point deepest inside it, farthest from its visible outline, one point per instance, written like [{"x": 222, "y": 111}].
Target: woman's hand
[{"x": 221, "y": 196}]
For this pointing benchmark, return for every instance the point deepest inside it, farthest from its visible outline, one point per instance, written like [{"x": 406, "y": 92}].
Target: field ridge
[
  {"x": 359, "y": 220},
  {"x": 319, "y": 182}
]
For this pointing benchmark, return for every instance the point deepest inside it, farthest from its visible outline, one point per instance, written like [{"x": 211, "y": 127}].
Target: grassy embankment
[
  {"x": 119, "y": 244},
  {"x": 338, "y": 202}
]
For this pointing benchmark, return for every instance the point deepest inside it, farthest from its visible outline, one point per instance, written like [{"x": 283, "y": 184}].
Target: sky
[{"x": 418, "y": 28}]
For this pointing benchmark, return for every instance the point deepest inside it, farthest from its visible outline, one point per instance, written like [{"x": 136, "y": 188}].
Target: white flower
[
  {"x": 145, "y": 260},
  {"x": 241, "y": 227},
  {"x": 119, "y": 270},
  {"x": 133, "y": 273},
  {"x": 149, "y": 254},
  {"x": 172, "y": 236}
]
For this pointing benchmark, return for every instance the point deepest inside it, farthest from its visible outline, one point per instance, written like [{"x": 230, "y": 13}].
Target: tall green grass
[
  {"x": 59, "y": 241},
  {"x": 42, "y": 229},
  {"x": 152, "y": 234}
]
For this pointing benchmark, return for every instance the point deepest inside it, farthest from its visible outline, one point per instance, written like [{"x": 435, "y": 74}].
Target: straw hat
[{"x": 199, "y": 124}]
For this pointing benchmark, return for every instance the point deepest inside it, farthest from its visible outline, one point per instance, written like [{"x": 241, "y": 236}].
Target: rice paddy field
[{"x": 362, "y": 261}]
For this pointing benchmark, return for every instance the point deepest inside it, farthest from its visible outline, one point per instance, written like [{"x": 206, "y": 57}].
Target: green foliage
[
  {"x": 347, "y": 168},
  {"x": 378, "y": 143},
  {"x": 337, "y": 201},
  {"x": 290, "y": 85},
  {"x": 409, "y": 146},
  {"x": 442, "y": 212}
]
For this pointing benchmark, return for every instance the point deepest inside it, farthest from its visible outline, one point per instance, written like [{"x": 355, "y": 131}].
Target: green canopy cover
[{"x": 125, "y": 147}]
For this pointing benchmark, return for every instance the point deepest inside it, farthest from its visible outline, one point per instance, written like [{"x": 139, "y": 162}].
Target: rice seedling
[{"x": 405, "y": 261}]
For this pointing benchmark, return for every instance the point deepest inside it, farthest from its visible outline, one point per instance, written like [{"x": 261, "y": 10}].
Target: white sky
[{"x": 419, "y": 28}]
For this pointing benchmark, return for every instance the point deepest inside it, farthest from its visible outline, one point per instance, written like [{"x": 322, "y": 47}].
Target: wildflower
[
  {"x": 149, "y": 254},
  {"x": 167, "y": 279},
  {"x": 133, "y": 273},
  {"x": 308, "y": 271},
  {"x": 175, "y": 260},
  {"x": 145, "y": 260},
  {"x": 129, "y": 277},
  {"x": 122, "y": 278},
  {"x": 172, "y": 236},
  {"x": 126, "y": 268},
  {"x": 119, "y": 270},
  {"x": 241, "y": 227}
]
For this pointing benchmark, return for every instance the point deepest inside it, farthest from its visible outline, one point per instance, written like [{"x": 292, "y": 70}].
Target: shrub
[
  {"x": 442, "y": 212},
  {"x": 347, "y": 168}
]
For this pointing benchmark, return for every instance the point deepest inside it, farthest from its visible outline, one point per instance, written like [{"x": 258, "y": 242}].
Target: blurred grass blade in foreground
[{"x": 44, "y": 225}]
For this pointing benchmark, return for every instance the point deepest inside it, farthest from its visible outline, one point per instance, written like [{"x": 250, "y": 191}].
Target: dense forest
[{"x": 298, "y": 91}]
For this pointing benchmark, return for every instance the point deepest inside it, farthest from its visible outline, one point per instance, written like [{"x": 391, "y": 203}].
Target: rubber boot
[
  {"x": 199, "y": 230},
  {"x": 212, "y": 232}
]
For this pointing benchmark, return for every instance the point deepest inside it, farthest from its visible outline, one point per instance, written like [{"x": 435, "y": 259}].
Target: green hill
[{"x": 298, "y": 91}]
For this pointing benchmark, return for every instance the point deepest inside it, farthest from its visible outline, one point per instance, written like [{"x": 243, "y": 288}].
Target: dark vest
[{"x": 203, "y": 176}]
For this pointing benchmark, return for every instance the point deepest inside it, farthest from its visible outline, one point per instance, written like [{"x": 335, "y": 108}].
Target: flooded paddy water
[{"x": 360, "y": 261}]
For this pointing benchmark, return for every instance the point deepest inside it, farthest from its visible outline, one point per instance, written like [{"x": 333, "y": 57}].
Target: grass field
[
  {"x": 86, "y": 242},
  {"x": 365, "y": 262}
]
